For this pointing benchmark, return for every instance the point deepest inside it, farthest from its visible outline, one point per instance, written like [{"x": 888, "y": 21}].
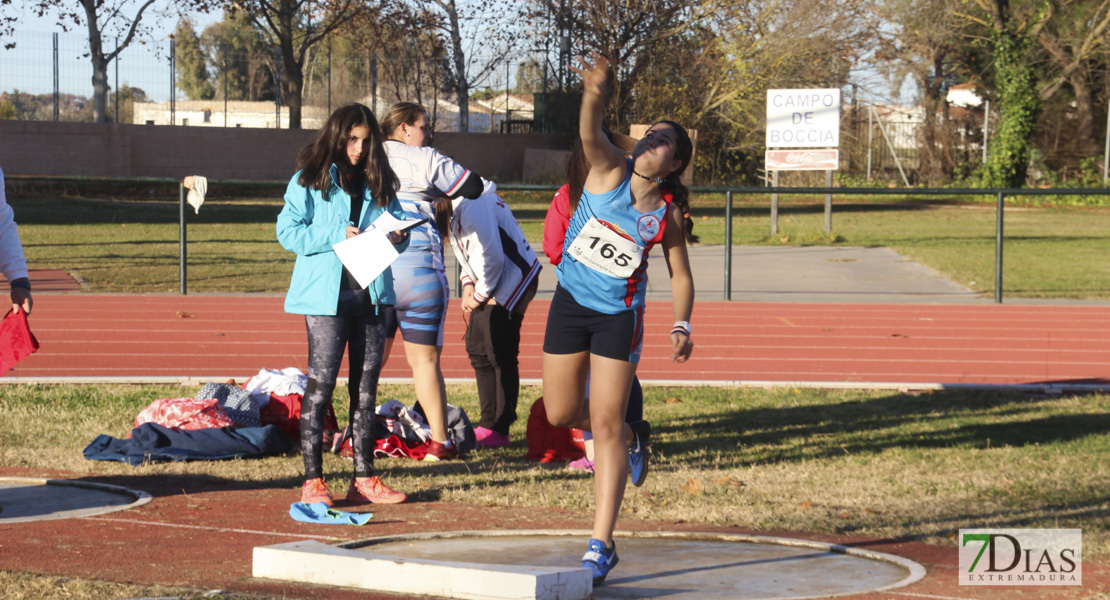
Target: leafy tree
[
  {"x": 1011, "y": 33},
  {"x": 240, "y": 56},
  {"x": 126, "y": 97},
  {"x": 530, "y": 77},
  {"x": 192, "y": 65}
]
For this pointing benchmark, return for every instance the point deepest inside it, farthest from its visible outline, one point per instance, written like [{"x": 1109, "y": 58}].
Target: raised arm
[{"x": 607, "y": 163}]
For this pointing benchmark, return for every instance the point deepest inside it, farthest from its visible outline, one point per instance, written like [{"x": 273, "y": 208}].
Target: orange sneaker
[
  {"x": 373, "y": 490},
  {"x": 315, "y": 490}
]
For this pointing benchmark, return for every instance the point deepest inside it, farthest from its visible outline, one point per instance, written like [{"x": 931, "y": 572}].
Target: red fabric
[
  {"x": 389, "y": 447},
  {"x": 16, "y": 340},
  {"x": 284, "y": 412},
  {"x": 555, "y": 225},
  {"x": 548, "y": 443},
  {"x": 185, "y": 413}
]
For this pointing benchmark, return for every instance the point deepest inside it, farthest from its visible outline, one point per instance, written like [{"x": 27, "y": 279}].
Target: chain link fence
[{"x": 48, "y": 76}]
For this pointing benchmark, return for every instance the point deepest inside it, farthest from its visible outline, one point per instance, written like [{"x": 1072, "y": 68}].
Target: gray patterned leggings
[{"x": 358, "y": 326}]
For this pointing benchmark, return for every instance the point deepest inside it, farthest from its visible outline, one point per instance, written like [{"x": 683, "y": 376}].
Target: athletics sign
[{"x": 803, "y": 118}]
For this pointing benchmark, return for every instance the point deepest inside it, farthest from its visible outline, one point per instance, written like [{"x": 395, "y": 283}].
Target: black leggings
[{"x": 358, "y": 326}]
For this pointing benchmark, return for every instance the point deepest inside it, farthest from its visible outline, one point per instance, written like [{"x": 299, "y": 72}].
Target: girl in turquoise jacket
[{"x": 343, "y": 185}]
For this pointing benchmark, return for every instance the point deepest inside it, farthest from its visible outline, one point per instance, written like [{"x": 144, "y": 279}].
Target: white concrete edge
[
  {"x": 915, "y": 571},
  {"x": 192, "y": 380},
  {"x": 140, "y": 498},
  {"x": 314, "y": 562}
]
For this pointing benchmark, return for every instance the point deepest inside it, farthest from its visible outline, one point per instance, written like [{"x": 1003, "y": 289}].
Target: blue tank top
[{"x": 605, "y": 254}]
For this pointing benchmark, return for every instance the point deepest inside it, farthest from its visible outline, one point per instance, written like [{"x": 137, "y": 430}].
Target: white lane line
[{"x": 220, "y": 529}]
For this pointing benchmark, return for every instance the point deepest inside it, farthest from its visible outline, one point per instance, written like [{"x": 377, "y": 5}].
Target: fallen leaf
[
  {"x": 692, "y": 487},
  {"x": 844, "y": 514},
  {"x": 645, "y": 494},
  {"x": 230, "y": 382},
  {"x": 184, "y": 315},
  {"x": 899, "y": 335},
  {"x": 726, "y": 480},
  {"x": 219, "y": 334},
  {"x": 807, "y": 505},
  {"x": 673, "y": 401},
  {"x": 873, "y": 511}
]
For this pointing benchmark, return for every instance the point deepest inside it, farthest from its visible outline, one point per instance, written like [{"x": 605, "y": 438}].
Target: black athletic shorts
[{"x": 573, "y": 328}]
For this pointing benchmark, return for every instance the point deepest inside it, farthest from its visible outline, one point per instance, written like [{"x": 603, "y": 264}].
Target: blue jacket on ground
[{"x": 308, "y": 226}]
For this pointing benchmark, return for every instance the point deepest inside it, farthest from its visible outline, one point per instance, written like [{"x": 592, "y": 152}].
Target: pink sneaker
[
  {"x": 582, "y": 464},
  {"x": 493, "y": 440}
]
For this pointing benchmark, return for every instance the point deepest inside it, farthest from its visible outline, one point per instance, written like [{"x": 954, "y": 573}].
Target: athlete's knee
[{"x": 561, "y": 414}]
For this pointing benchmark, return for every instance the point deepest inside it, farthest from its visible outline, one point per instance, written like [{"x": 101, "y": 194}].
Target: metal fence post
[
  {"x": 774, "y": 203},
  {"x": 828, "y": 203},
  {"x": 374, "y": 82},
  {"x": 117, "y": 78},
  {"x": 998, "y": 251},
  {"x": 57, "y": 87},
  {"x": 225, "y": 84},
  {"x": 728, "y": 245},
  {"x": 277, "y": 88},
  {"x": 173, "y": 84},
  {"x": 181, "y": 215}
]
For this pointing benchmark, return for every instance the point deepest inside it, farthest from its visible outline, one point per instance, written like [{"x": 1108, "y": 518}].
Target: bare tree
[
  {"x": 295, "y": 26},
  {"x": 121, "y": 18},
  {"x": 1076, "y": 34},
  {"x": 492, "y": 25}
]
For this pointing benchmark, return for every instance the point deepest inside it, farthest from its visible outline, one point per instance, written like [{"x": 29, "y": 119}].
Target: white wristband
[{"x": 682, "y": 327}]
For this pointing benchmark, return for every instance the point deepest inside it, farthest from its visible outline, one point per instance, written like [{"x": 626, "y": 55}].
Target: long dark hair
[
  {"x": 315, "y": 160},
  {"x": 684, "y": 150},
  {"x": 578, "y": 167}
]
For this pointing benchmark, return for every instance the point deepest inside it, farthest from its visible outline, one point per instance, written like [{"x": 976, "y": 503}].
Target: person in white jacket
[
  {"x": 12, "y": 262},
  {"x": 499, "y": 279}
]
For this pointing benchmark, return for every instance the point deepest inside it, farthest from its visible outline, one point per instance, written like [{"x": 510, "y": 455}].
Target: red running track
[{"x": 148, "y": 337}]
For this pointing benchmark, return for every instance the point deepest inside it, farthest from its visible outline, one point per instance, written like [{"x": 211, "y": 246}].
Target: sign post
[{"x": 803, "y": 134}]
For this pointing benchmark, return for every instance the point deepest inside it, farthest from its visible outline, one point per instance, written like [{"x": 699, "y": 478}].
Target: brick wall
[{"x": 112, "y": 150}]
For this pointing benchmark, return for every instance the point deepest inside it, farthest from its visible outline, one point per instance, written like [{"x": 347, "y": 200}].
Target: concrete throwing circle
[
  {"x": 674, "y": 565},
  {"x": 24, "y": 499}
]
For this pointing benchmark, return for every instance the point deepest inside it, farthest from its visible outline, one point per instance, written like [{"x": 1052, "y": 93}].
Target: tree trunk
[
  {"x": 1086, "y": 141},
  {"x": 462, "y": 86},
  {"x": 294, "y": 85},
  {"x": 1010, "y": 150},
  {"x": 99, "y": 64}
]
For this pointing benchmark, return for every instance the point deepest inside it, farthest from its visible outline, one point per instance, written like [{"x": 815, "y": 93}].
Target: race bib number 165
[{"x": 606, "y": 251}]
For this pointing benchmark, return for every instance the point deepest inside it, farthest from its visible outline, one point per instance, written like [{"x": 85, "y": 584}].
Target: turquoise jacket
[{"x": 308, "y": 226}]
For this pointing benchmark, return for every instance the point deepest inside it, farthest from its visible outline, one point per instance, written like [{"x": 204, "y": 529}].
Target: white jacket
[
  {"x": 492, "y": 250},
  {"x": 12, "y": 263}
]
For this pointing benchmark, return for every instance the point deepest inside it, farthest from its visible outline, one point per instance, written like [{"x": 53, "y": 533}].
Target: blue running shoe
[
  {"x": 638, "y": 452},
  {"x": 599, "y": 560}
]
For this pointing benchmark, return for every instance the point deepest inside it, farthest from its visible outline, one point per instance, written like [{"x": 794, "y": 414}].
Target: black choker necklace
[{"x": 652, "y": 179}]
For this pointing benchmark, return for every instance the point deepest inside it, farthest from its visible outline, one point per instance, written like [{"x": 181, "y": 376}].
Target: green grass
[
  {"x": 131, "y": 244},
  {"x": 868, "y": 463}
]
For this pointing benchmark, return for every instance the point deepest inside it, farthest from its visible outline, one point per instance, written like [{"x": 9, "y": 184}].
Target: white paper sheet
[
  {"x": 369, "y": 253},
  {"x": 387, "y": 222},
  {"x": 366, "y": 255}
]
